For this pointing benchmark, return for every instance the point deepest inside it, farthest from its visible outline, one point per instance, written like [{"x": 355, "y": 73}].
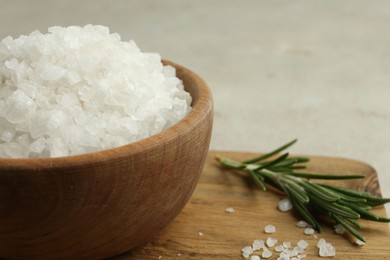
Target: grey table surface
[{"x": 313, "y": 70}]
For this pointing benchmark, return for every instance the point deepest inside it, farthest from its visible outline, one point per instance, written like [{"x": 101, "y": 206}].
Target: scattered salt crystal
[
  {"x": 359, "y": 242},
  {"x": 292, "y": 252},
  {"x": 339, "y": 229},
  {"x": 308, "y": 231},
  {"x": 303, "y": 255},
  {"x": 286, "y": 244},
  {"x": 295, "y": 258},
  {"x": 271, "y": 241},
  {"x": 200, "y": 233},
  {"x": 255, "y": 257},
  {"x": 302, "y": 244},
  {"x": 266, "y": 253},
  {"x": 269, "y": 229},
  {"x": 160, "y": 257},
  {"x": 299, "y": 249},
  {"x": 325, "y": 248},
  {"x": 283, "y": 256},
  {"x": 285, "y": 205},
  {"x": 257, "y": 244},
  {"x": 321, "y": 242},
  {"x": 247, "y": 250},
  {"x": 178, "y": 254},
  {"x": 279, "y": 248},
  {"x": 302, "y": 224},
  {"x": 245, "y": 255},
  {"x": 229, "y": 210}
]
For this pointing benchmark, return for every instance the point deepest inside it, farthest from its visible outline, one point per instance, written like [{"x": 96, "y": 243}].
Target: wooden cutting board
[{"x": 203, "y": 230}]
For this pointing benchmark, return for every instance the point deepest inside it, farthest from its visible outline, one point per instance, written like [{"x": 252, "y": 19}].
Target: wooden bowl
[{"x": 101, "y": 204}]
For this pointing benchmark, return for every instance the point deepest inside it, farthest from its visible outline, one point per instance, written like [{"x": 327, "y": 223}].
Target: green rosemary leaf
[
  {"x": 376, "y": 201},
  {"x": 230, "y": 163},
  {"x": 353, "y": 222},
  {"x": 307, "y": 175},
  {"x": 348, "y": 227},
  {"x": 383, "y": 219},
  {"x": 271, "y": 163},
  {"x": 288, "y": 162},
  {"x": 362, "y": 212},
  {"x": 319, "y": 191},
  {"x": 372, "y": 200},
  {"x": 302, "y": 210},
  {"x": 298, "y": 193},
  {"x": 258, "y": 179},
  {"x": 351, "y": 204},
  {"x": 268, "y": 155},
  {"x": 335, "y": 208}
]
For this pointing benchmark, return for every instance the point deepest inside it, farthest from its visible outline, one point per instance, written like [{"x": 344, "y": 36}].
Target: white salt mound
[{"x": 78, "y": 90}]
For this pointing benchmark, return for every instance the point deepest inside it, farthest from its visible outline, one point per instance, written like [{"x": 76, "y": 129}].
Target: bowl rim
[{"x": 201, "y": 107}]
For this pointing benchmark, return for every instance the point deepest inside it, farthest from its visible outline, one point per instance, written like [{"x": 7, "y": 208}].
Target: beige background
[{"x": 315, "y": 70}]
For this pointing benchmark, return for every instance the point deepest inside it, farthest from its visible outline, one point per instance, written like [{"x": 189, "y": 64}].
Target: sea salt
[
  {"x": 257, "y": 244},
  {"x": 269, "y": 229},
  {"x": 302, "y": 224},
  {"x": 247, "y": 250},
  {"x": 229, "y": 210},
  {"x": 78, "y": 90},
  {"x": 359, "y": 242},
  {"x": 271, "y": 241},
  {"x": 325, "y": 249},
  {"x": 339, "y": 229},
  {"x": 286, "y": 244},
  {"x": 279, "y": 248},
  {"x": 308, "y": 231},
  {"x": 266, "y": 253},
  {"x": 285, "y": 205},
  {"x": 255, "y": 257},
  {"x": 302, "y": 244}
]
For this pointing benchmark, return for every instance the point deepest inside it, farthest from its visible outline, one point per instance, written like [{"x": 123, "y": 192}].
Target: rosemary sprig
[{"x": 344, "y": 206}]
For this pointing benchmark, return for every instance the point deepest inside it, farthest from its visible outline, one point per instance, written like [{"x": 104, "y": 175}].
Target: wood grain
[{"x": 225, "y": 234}]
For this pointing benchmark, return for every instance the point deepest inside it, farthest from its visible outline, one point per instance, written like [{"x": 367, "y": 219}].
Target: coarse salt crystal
[
  {"x": 359, "y": 242},
  {"x": 308, "y": 231},
  {"x": 255, "y": 257},
  {"x": 200, "y": 233},
  {"x": 269, "y": 229},
  {"x": 83, "y": 90},
  {"x": 257, "y": 244},
  {"x": 279, "y": 248},
  {"x": 285, "y": 205},
  {"x": 339, "y": 229},
  {"x": 283, "y": 257},
  {"x": 245, "y": 255},
  {"x": 271, "y": 241},
  {"x": 302, "y": 224},
  {"x": 266, "y": 253},
  {"x": 229, "y": 210},
  {"x": 292, "y": 253},
  {"x": 302, "y": 244},
  {"x": 299, "y": 249},
  {"x": 247, "y": 250},
  {"x": 325, "y": 249},
  {"x": 321, "y": 242},
  {"x": 286, "y": 244}
]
